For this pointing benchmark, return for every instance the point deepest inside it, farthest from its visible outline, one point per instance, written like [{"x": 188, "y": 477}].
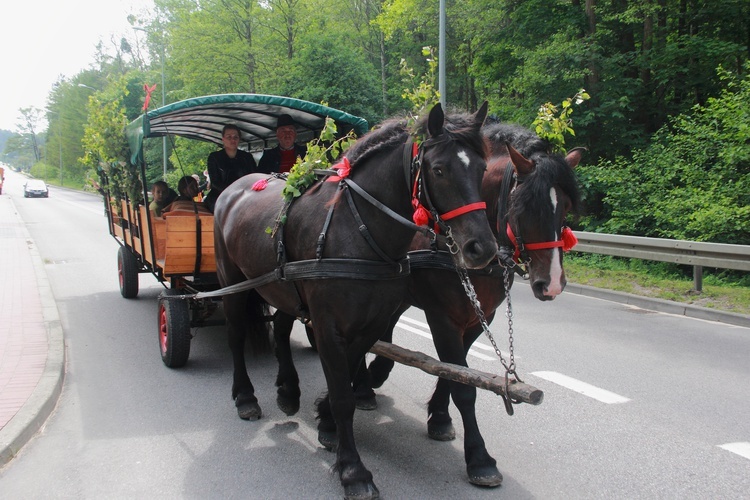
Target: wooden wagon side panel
[
  {"x": 148, "y": 237},
  {"x": 181, "y": 245}
]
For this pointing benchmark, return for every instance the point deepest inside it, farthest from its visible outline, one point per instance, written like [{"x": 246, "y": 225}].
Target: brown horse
[
  {"x": 338, "y": 258},
  {"x": 528, "y": 192}
]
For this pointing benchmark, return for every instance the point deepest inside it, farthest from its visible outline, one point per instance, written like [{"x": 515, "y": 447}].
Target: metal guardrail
[{"x": 693, "y": 253}]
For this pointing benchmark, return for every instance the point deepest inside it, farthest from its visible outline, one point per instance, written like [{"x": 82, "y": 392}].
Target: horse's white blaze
[
  {"x": 464, "y": 158},
  {"x": 555, "y": 269}
]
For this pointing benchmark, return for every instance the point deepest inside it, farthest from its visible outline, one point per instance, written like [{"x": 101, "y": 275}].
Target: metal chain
[
  {"x": 453, "y": 248},
  {"x": 510, "y": 367}
]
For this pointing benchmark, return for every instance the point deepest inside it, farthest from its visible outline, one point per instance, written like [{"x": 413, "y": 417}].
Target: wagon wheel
[
  {"x": 174, "y": 329},
  {"x": 127, "y": 271}
]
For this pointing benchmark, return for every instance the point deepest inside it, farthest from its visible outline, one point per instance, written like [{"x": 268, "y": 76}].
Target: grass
[{"x": 722, "y": 290}]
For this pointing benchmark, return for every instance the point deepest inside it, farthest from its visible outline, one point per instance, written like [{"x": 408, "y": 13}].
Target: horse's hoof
[
  {"x": 488, "y": 477},
  {"x": 328, "y": 439},
  {"x": 366, "y": 403},
  {"x": 441, "y": 431},
  {"x": 289, "y": 406},
  {"x": 249, "y": 411},
  {"x": 361, "y": 491}
]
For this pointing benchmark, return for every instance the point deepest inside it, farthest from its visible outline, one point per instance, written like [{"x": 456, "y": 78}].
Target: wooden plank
[
  {"x": 187, "y": 239},
  {"x": 519, "y": 391},
  {"x": 147, "y": 238},
  {"x": 187, "y": 223}
]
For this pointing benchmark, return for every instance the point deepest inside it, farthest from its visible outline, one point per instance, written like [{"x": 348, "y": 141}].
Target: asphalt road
[{"x": 637, "y": 404}]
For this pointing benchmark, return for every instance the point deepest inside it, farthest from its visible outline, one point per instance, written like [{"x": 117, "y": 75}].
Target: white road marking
[
  {"x": 582, "y": 387},
  {"x": 423, "y": 331},
  {"x": 413, "y": 330},
  {"x": 742, "y": 448}
]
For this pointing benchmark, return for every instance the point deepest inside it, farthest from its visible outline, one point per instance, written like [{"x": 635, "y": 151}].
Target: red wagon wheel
[
  {"x": 127, "y": 272},
  {"x": 174, "y": 329}
]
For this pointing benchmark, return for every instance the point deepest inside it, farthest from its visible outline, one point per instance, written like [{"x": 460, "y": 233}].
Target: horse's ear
[
  {"x": 481, "y": 114},
  {"x": 523, "y": 165},
  {"x": 574, "y": 156},
  {"x": 436, "y": 120}
]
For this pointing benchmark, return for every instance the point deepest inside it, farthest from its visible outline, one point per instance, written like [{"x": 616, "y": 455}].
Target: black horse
[
  {"x": 338, "y": 258},
  {"x": 528, "y": 192}
]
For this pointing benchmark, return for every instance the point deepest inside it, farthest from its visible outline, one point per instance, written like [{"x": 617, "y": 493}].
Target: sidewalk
[{"x": 32, "y": 354}]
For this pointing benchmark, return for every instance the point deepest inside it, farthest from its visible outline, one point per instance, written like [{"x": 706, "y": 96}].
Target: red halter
[
  {"x": 422, "y": 215},
  {"x": 567, "y": 241}
]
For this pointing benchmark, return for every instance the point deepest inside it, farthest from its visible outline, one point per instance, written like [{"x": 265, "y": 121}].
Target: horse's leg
[
  {"x": 287, "y": 380},
  {"x": 480, "y": 466},
  {"x": 363, "y": 393},
  {"x": 338, "y": 363},
  {"x": 381, "y": 367},
  {"x": 243, "y": 392}
]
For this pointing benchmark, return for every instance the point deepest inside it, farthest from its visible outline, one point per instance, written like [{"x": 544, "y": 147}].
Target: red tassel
[
  {"x": 421, "y": 216},
  {"x": 260, "y": 185},
  {"x": 568, "y": 238},
  {"x": 343, "y": 168}
]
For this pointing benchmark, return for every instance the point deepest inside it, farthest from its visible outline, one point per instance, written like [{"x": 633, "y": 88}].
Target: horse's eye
[{"x": 438, "y": 171}]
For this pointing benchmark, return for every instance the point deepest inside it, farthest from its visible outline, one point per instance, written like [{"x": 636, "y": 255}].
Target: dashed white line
[
  {"x": 742, "y": 448},
  {"x": 424, "y": 328},
  {"x": 582, "y": 387}
]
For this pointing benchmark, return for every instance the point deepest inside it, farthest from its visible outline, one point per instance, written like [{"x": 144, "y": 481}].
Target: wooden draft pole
[{"x": 518, "y": 391}]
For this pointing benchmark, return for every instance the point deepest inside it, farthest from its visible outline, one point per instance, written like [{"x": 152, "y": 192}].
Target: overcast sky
[{"x": 43, "y": 39}]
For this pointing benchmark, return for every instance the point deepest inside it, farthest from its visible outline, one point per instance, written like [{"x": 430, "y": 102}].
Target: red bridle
[
  {"x": 567, "y": 241},
  {"x": 422, "y": 216}
]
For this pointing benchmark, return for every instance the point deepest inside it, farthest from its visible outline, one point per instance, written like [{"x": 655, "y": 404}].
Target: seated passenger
[
  {"x": 162, "y": 196},
  {"x": 188, "y": 188},
  {"x": 228, "y": 164},
  {"x": 283, "y": 157}
]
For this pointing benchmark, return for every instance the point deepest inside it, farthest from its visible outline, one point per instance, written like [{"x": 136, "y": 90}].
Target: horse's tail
[{"x": 258, "y": 323}]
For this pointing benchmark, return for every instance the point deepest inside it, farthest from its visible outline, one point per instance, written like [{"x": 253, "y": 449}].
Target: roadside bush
[{"x": 692, "y": 182}]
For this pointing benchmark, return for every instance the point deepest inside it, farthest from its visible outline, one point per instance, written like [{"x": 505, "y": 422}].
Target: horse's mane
[
  {"x": 551, "y": 168},
  {"x": 388, "y": 134},
  {"x": 458, "y": 126}
]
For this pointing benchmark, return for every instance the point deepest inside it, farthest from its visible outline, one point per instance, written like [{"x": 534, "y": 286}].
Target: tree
[{"x": 692, "y": 182}]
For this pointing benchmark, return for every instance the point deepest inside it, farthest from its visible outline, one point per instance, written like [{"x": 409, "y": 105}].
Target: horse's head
[
  {"x": 546, "y": 193},
  {"x": 532, "y": 218},
  {"x": 452, "y": 158}
]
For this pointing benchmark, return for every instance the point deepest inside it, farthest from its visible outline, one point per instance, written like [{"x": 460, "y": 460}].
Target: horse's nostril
[
  {"x": 476, "y": 252},
  {"x": 538, "y": 287}
]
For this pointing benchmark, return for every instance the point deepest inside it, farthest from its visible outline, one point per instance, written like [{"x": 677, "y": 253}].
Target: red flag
[{"x": 148, "y": 94}]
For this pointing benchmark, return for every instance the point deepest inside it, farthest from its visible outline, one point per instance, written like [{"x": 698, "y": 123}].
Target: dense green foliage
[
  {"x": 659, "y": 116},
  {"x": 692, "y": 182}
]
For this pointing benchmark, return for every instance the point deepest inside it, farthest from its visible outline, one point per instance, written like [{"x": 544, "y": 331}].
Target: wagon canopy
[{"x": 202, "y": 118}]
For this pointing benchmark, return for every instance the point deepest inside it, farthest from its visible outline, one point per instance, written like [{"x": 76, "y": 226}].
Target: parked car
[{"x": 35, "y": 188}]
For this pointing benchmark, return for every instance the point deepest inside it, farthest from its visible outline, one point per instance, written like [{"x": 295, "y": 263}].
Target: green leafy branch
[
  {"x": 548, "y": 125},
  {"x": 424, "y": 95},
  {"x": 322, "y": 152}
]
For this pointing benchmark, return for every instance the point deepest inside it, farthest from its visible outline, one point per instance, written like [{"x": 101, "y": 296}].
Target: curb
[
  {"x": 32, "y": 416},
  {"x": 661, "y": 305}
]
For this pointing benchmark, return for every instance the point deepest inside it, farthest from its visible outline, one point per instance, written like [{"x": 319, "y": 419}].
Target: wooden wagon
[{"x": 178, "y": 249}]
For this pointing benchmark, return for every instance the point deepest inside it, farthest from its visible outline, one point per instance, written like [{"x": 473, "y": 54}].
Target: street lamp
[{"x": 163, "y": 95}]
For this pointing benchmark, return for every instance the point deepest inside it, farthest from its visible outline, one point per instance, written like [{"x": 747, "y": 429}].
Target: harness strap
[
  {"x": 363, "y": 227},
  {"x": 479, "y": 205},
  {"x": 322, "y": 236},
  {"x": 390, "y": 213},
  {"x": 198, "y": 241},
  {"x": 314, "y": 269}
]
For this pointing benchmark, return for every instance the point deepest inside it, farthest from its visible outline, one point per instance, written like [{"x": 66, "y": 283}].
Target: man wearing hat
[{"x": 284, "y": 156}]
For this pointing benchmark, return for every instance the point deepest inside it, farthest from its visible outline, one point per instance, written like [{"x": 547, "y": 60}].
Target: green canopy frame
[{"x": 203, "y": 118}]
